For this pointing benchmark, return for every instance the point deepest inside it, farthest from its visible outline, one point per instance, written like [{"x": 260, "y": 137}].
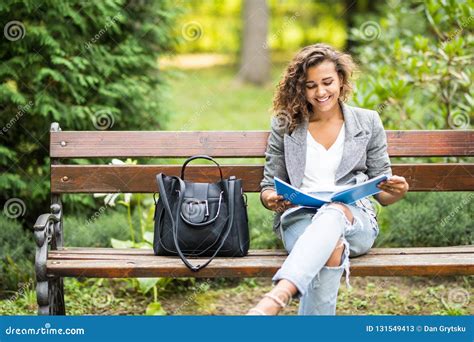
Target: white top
[{"x": 321, "y": 164}]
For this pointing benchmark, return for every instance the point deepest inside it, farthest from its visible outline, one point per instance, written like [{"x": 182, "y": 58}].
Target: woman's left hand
[{"x": 396, "y": 186}]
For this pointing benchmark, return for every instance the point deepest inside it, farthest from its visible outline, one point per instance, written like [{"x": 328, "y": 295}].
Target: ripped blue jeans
[{"x": 310, "y": 238}]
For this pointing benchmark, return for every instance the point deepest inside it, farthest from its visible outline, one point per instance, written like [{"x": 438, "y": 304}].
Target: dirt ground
[{"x": 367, "y": 296}]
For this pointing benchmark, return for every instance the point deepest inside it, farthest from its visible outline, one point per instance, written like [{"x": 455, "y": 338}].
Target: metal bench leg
[
  {"x": 49, "y": 291},
  {"x": 56, "y": 296},
  {"x": 56, "y": 285},
  {"x": 42, "y": 287}
]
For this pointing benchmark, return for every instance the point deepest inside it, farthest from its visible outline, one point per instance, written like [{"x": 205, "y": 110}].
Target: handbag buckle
[{"x": 205, "y": 202}]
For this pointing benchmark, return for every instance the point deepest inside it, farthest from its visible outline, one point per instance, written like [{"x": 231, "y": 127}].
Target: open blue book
[{"x": 348, "y": 195}]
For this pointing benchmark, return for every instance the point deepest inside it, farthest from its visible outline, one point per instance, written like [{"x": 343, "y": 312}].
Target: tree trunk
[{"x": 255, "y": 58}]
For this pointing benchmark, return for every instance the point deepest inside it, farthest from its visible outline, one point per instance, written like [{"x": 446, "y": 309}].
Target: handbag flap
[
  {"x": 201, "y": 204},
  {"x": 195, "y": 207}
]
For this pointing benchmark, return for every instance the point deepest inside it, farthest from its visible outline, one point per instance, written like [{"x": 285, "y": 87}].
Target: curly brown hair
[{"x": 289, "y": 104}]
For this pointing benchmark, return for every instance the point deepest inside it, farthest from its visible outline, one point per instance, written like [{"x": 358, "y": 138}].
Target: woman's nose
[{"x": 320, "y": 92}]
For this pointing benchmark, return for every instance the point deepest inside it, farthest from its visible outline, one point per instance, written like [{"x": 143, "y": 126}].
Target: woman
[{"x": 319, "y": 144}]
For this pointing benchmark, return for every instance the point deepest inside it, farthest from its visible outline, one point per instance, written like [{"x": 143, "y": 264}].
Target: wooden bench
[{"x": 53, "y": 261}]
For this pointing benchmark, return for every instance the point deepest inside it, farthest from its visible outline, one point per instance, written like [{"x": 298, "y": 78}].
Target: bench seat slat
[
  {"x": 255, "y": 252},
  {"x": 397, "y": 262},
  {"x": 84, "y": 144},
  {"x": 141, "y": 178}
]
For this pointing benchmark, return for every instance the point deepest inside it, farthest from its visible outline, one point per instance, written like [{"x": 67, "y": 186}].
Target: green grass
[
  {"x": 368, "y": 296},
  {"x": 214, "y": 99}
]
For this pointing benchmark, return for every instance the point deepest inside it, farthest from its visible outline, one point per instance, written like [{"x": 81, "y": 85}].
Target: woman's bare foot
[{"x": 275, "y": 300}]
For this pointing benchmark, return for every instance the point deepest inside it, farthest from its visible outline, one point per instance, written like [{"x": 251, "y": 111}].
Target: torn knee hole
[{"x": 336, "y": 257}]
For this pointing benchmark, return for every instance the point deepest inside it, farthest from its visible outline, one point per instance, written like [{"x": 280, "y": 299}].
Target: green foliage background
[
  {"x": 292, "y": 24},
  {"x": 417, "y": 64},
  {"x": 87, "y": 65},
  {"x": 16, "y": 255},
  {"x": 428, "y": 219},
  {"x": 416, "y": 61}
]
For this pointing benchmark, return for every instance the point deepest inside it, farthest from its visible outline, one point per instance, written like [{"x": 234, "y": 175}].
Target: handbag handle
[
  {"x": 174, "y": 221},
  {"x": 200, "y": 156}
]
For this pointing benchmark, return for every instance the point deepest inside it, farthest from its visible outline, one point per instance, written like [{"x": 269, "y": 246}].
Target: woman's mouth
[{"x": 323, "y": 100}]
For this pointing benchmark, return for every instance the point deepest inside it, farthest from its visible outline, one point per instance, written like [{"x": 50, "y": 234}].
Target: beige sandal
[
  {"x": 255, "y": 312},
  {"x": 273, "y": 295}
]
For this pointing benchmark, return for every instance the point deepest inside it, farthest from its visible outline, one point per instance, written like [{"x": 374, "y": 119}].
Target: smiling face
[{"x": 323, "y": 87}]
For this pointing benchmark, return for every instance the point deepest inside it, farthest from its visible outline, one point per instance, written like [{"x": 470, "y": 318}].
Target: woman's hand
[
  {"x": 395, "y": 186},
  {"x": 393, "y": 189},
  {"x": 275, "y": 202}
]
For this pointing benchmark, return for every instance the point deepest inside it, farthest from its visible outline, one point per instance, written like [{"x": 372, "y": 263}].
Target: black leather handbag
[{"x": 200, "y": 219}]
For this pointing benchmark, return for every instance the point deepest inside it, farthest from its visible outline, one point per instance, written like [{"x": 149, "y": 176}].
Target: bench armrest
[
  {"x": 43, "y": 220},
  {"x": 47, "y": 225}
]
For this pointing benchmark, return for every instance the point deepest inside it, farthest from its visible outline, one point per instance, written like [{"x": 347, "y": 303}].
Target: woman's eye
[
  {"x": 310, "y": 86},
  {"x": 328, "y": 84}
]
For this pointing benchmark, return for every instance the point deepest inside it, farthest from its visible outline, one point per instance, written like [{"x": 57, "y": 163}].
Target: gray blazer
[{"x": 364, "y": 155}]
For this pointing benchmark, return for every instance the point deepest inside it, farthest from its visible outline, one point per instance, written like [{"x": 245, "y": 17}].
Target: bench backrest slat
[
  {"x": 141, "y": 178},
  {"x": 121, "y": 144}
]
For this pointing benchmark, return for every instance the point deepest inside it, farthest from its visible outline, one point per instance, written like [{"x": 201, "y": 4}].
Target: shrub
[
  {"x": 416, "y": 59},
  {"x": 261, "y": 225},
  {"x": 428, "y": 219},
  {"x": 96, "y": 68},
  {"x": 16, "y": 254},
  {"x": 82, "y": 231}
]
